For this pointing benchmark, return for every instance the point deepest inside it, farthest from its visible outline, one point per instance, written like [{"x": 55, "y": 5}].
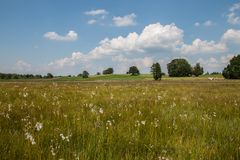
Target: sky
[{"x": 65, "y": 37}]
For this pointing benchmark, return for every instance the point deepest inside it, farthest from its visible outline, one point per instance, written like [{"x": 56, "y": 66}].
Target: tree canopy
[
  {"x": 108, "y": 71},
  {"x": 133, "y": 70},
  {"x": 232, "y": 71},
  {"x": 197, "y": 70},
  {"x": 156, "y": 71},
  {"x": 85, "y": 74},
  {"x": 179, "y": 68}
]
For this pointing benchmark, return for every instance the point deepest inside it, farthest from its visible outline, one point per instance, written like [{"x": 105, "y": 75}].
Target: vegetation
[
  {"x": 134, "y": 120},
  {"x": 108, "y": 71},
  {"x": 133, "y": 70},
  {"x": 197, "y": 70},
  {"x": 49, "y": 75},
  {"x": 179, "y": 68},
  {"x": 23, "y": 76},
  {"x": 85, "y": 74},
  {"x": 232, "y": 71},
  {"x": 156, "y": 71}
]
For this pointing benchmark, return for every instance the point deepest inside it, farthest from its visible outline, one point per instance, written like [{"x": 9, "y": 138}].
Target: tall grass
[{"x": 120, "y": 120}]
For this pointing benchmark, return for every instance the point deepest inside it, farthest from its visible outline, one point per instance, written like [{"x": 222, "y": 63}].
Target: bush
[
  {"x": 179, "y": 68},
  {"x": 232, "y": 71},
  {"x": 133, "y": 70},
  {"x": 108, "y": 71},
  {"x": 156, "y": 71}
]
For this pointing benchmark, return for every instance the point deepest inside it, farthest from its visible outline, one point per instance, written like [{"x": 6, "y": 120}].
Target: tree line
[
  {"x": 24, "y": 76},
  {"x": 176, "y": 68}
]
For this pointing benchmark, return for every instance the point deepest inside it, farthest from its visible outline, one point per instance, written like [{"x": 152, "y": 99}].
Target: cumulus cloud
[
  {"x": 226, "y": 59},
  {"x": 70, "y": 36},
  {"x": 96, "y": 12},
  {"x": 231, "y": 36},
  {"x": 200, "y": 46},
  {"x": 157, "y": 38},
  {"x": 215, "y": 64},
  {"x": 69, "y": 61},
  {"x": 22, "y": 66},
  {"x": 153, "y": 36},
  {"x": 128, "y": 20},
  {"x": 210, "y": 63},
  {"x": 232, "y": 16}
]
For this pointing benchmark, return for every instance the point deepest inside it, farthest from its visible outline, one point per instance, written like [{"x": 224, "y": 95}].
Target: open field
[
  {"x": 113, "y": 77},
  {"x": 181, "y": 118}
]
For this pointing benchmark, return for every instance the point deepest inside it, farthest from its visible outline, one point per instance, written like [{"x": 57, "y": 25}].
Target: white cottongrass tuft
[
  {"x": 38, "y": 126},
  {"x": 101, "y": 110},
  {"x": 30, "y": 138}
]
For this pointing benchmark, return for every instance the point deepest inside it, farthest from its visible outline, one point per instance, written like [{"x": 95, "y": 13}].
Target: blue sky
[{"x": 66, "y": 37}]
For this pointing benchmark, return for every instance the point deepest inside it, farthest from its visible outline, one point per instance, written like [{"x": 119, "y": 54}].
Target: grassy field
[{"x": 180, "y": 118}]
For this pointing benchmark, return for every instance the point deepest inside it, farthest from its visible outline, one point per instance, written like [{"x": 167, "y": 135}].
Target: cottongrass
[{"x": 143, "y": 120}]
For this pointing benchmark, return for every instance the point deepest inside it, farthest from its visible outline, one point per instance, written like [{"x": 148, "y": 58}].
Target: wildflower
[
  {"x": 139, "y": 113},
  {"x": 9, "y": 107},
  {"x": 66, "y": 138},
  {"x": 214, "y": 114},
  {"x": 62, "y": 136},
  {"x": 30, "y": 137},
  {"x": 101, "y": 110},
  {"x": 159, "y": 98},
  {"x": 25, "y": 95},
  {"x": 143, "y": 122},
  {"x": 137, "y": 123},
  {"x": 52, "y": 151},
  {"x": 109, "y": 123},
  {"x": 38, "y": 126}
]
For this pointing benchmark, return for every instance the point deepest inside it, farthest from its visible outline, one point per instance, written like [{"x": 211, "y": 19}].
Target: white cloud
[
  {"x": 92, "y": 21},
  {"x": 231, "y": 36},
  {"x": 210, "y": 63},
  {"x": 154, "y": 36},
  {"x": 208, "y": 23},
  {"x": 215, "y": 64},
  {"x": 22, "y": 66},
  {"x": 75, "y": 58},
  {"x": 70, "y": 36},
  {"x": 232, "y": 16},
  {"x": 123, "y": 50},
  {"x": 124, "y": 62},
  {"x": 128, "y": 20},
  {"x": 96, "y": 12},
  {"x": 197, "y": 24},
  {"x": 159, "y": 36},
  {"x": 227, "y": 58},
  {"x": 200, "y": 46}
]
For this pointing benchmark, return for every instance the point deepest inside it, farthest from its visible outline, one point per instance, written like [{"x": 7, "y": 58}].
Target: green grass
[
  {"x": 112, "y": 77},
  {"x": 168, "y": 119},
  {"x": 108, "y": 77}
]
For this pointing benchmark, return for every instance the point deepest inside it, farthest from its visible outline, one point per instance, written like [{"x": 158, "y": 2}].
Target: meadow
[{"x": 182, "y": 118}]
